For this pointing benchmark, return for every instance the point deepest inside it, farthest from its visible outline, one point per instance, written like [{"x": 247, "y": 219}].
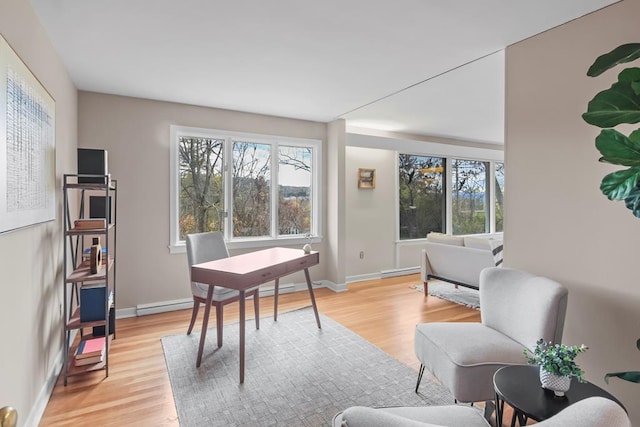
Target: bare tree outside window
[
  {"x": 422, "y": 199},
  {"x": 470, "y": 193},
  {"x": 201, "y": 204},
  {"x": 251, "y": 189},
  {"x": 294, "y": 190}
]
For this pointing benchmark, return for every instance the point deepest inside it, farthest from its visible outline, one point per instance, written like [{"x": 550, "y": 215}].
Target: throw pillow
[{"x": 497, "y": 249}]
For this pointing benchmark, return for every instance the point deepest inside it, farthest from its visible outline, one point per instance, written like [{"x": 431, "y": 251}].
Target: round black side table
[{"x": 519, "y": 386}]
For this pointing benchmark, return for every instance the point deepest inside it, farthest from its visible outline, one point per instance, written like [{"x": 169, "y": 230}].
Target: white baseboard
[
  {"x": 363, "y": 277},
  {"x": 163, "y": 306},
  {"x": 383, "y": 274},
  {"x": 399, "y": 272},
  {"x": 187, "y": 303}
]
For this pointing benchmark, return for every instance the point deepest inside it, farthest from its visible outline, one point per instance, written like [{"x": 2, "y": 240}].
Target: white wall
[
  {"x": 557, "y": 223},
  {"x": 31, "y": 258},
  {"x": 135, "y": 133}
]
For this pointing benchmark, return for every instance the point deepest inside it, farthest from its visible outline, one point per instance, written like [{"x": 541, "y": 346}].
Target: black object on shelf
[
  {"x": 98, "y": 331},
  {"x": 92, "y": 161},
  {"x": 97, "y": 207}
]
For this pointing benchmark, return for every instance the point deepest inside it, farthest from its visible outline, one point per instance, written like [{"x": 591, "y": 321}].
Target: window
[
  {"x": 469, "y": 197},
  {"x": 294, "y": 196},
  {"x": 201, "y": 193},
  {"x": 459, "y": 202},
  {"x": 422, "y": 199},
  {"x": 253, "y": 188}
]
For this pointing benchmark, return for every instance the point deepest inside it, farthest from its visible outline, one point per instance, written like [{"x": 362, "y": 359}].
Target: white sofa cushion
[
  {"x": 446, "y": 239},
  {"x": 477, "y": 242}
]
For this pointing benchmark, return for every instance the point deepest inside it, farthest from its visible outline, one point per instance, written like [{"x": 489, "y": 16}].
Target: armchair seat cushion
[{"x": 463, "y": 355}]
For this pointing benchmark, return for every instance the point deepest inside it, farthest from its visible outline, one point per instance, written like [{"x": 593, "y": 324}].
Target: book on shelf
[
  {"x": 90, "y": 360},
  {"x": 90, "y": 348},
  {"x": 89, "y": 223}
]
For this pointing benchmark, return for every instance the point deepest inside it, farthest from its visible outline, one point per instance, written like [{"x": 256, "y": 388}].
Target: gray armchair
[
  {"x": 210, "y": 246},
  {"x": 517, "y": 309},
  {"x": 590, "y": 412}
]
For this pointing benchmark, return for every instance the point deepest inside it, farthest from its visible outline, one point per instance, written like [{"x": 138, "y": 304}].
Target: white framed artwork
[{"x": 27, "y": 145}]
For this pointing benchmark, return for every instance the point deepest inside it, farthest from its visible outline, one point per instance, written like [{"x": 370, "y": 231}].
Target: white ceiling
[{"x": 428, "y": 67}]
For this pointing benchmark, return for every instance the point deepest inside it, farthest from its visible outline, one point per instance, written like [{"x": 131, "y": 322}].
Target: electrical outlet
[{"x": 361, "y": 254}]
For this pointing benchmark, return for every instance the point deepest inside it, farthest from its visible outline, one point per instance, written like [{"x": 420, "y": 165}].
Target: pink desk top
[{"x": 247, "y": 270}]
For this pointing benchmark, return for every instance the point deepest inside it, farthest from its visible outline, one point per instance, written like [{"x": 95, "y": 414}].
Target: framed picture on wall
[
  {"x": 366, "y": 178},
  {"x": 27, "y": 145}
]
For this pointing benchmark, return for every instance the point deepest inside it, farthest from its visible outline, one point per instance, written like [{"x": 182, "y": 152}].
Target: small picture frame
[{"x": 366, "y": 178}]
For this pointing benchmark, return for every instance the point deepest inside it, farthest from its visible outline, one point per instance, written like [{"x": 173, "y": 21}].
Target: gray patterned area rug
[
  {"x": 461, "y": 295},
  {"x": 295, "y": 375}
]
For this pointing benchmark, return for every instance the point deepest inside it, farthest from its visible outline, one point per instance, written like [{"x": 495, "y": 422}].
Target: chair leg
[
  {"x": 425, "y": 285},
  {"x": 420, "y": 372},
  {"x": 194, "y": 314},
  {"x": 256, "y": 307},
  {"x": 489, "y": 407},
  {"x": 219, "y": 324}
]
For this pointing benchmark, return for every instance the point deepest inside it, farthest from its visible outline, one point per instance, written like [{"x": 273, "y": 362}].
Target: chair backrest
[
  {"x": 522, "y": 306},
  {"x": 203, "y": 247},
  {"x": 590, "y": 412}
]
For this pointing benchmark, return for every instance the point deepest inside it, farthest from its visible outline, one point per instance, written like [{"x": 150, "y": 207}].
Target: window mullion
[
  {"x": 275, "y": 231},
  {"x": 228, "y": 188},
  {"x": 449, "y": 195}
]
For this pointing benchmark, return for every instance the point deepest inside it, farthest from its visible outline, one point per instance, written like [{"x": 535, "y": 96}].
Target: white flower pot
[{"x": 557, "y": 383}]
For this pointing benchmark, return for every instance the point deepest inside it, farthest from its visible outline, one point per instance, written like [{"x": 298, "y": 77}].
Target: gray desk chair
[
  {"x": 590, "y": 412},
  {"x": 516, "y": 308},
  {"x": 210, "y": 246}
]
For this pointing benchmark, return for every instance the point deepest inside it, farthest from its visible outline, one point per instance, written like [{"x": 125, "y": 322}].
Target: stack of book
[
  {"x": 89, "y": 223},
  {"x": 90, "y": 351}
]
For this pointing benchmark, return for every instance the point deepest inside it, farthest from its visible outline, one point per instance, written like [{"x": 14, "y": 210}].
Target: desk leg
[
  {"x": 275, "y": 300},
  {"x": 313, "y": 298},
  {"x": 205, "y": 323},
  {"x": 242, "y": 327}
]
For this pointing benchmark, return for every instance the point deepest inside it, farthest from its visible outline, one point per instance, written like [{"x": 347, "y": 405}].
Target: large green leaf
[
  {"x": 618, "y": 104},
  {"x": 632, "y": 202},
  {"x": 619, "y": 149},
  {"x": 632, "y": 376},
  {"x": 631, "y": 74},
  {"x": 621, "y": 54},
  {"x": 619, "y": 185}
]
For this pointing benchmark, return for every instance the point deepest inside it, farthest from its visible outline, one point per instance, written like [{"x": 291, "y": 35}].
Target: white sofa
[{"x": 459, "y": 259}]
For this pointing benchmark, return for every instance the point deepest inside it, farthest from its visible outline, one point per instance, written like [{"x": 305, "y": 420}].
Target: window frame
[{"x": 178, "y": 246}]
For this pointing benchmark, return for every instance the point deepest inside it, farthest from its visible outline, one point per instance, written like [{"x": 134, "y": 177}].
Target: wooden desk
[{"x": 245, "y": 271}]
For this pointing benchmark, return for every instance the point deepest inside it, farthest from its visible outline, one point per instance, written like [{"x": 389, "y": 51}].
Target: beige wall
[
  {"x": 557, "y": 222},
  {"x": 31, "y": 258},
  {"x": 371, "y": 213},
  {"x": 135, "y": 133}
]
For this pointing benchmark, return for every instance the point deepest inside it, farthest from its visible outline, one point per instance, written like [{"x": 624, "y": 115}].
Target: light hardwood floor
[{"x": 138, "y": 393}]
